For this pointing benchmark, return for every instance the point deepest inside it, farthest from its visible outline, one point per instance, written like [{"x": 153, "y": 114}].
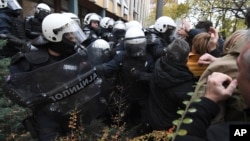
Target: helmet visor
[
  {"x": 98, "y": 56},
  {"x": 135, "y": 50},
  {"x": 72, "y": 32},
  {"x": 13, "y": 5}
]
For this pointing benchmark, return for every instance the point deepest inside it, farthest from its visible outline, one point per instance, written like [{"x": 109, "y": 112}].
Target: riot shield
[{"x": 64, "y": 85}]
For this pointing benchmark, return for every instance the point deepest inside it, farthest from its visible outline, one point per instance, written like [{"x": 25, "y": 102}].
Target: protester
[
  {"x": 232, "y": 109},
  {"x": 219, "y": 88},
  {"x": 201, "y": 44},
  {"x": 247, "y": 18},
  {"x": 171, "y": 82}
]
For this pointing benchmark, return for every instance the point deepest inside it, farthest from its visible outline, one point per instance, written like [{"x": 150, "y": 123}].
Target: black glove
[
  {"x": 3, "y": 36},
  {"x": 107, "y": 36},
  {"x": 12, "y": 39},
  {"x": 99, "y": 70},
  {"x": 40, "y": 40},
  {"x": 135, "y": 73}
]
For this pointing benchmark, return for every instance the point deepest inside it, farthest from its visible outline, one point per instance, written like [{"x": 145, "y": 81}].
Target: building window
[{"x": 125, "y": 7}]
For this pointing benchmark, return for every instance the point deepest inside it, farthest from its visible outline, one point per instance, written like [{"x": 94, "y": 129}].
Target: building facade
[{"x": 125, "y": 10}]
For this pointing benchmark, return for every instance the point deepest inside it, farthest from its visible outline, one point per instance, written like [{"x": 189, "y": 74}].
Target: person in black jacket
[
  {"x": 219, "y": 88},
  {"x": 91, "y": 28},
  {"x": 132, "y": 68},
  {"x": 33, "y": 24},
  {"x": 48, "y": 119},
  {"x": 169, "y": 85},
  {"x": 160, "y": 36},
  {"x": 11, "y": 27},
  {"x": 189, "y": 33},
  {"x": 247, "y": 18}
]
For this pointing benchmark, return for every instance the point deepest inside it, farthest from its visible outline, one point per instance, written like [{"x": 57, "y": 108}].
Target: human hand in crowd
[
  {"x": 206, "y": 59},
  {"x": 219, "y": 87},
  {"x": 214, "y": 37},
  {"x": 182, "y": 33},
  {"x": 186, "y": 25}
]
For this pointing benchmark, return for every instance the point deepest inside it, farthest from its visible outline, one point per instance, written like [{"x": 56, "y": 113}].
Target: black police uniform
[
  {"x": 10, "y": 24},
  {"x": 33, "y": 27},
  {"x": 46, "y": 124},
  {"x": 91, "y": 34}
]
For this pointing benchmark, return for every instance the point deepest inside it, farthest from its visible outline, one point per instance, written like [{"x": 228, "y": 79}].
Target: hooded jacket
[{"x": 169, "y": 86}]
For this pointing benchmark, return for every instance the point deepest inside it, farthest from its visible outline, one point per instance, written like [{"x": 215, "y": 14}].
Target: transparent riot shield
[{"x": 64, "y": 85}]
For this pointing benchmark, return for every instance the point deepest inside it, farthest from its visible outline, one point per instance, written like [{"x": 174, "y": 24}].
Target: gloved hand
[
  {"x": 135, "y": 73},
  {"x": 12, "y": 39},
  {"x": 40, "y": 40},
  {"x": 3, "y": 36},
  {"x": 99, "y": 70}
]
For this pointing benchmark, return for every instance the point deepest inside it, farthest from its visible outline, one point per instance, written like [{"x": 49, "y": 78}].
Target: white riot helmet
[
  {"x": 164, "y": 23},
  {"x": 3, "y": 3},
  {"x": 55, "y": 25},
  {"x": 166, "y": 27},
  {"x": 119, "y": 25},
  {"x": 86, "y": 18},
  {"x": 107, "y": 22},
  {"x": 43, "y": 7},
  {"x": 135, "y": 42},
  {"x": 91, "y": 17},
  {"x": 11, "y": 4},
  {"x": 73, "y": 17},
  {"x": 42, "y": 10},
  {"x": 64, "y": 32},
  {"x": 133, "y": 23},
  {"x": 119, "y": 30},
  {"x": 99, "y": 52}
]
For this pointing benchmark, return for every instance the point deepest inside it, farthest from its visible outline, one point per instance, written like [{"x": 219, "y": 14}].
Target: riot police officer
[
  {"x": 35, "y": 78},
  {"x": 132, "y": 68},
  {"x": 106, "y": 25},
  {"x": 10, "y": 26},
  {"x": 160, "y": 36},
  {"x": 33, "y": 24},
  {"x": 91, "y": 28}
]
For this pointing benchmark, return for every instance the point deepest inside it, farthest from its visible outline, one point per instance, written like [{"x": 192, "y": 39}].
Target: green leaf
[
  {"x": 176, "y": 122},
  {"x": 197, "y": 100},
  {"x": 180, "y": 112},
  {"x": 187, "y": 120},
  {"x": 185, "y": 102},
  {"x": 182, "y": 132},
  {"x": 190, "y": 93},
  {"x": 192, "y": 110}
]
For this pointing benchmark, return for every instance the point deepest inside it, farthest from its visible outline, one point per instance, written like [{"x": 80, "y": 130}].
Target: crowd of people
[{"x": 111, "y": 68}]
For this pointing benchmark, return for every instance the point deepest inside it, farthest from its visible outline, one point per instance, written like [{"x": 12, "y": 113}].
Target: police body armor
[
  {"x": 64, "y": 85},
  {"x": 132, "y": 87}
]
